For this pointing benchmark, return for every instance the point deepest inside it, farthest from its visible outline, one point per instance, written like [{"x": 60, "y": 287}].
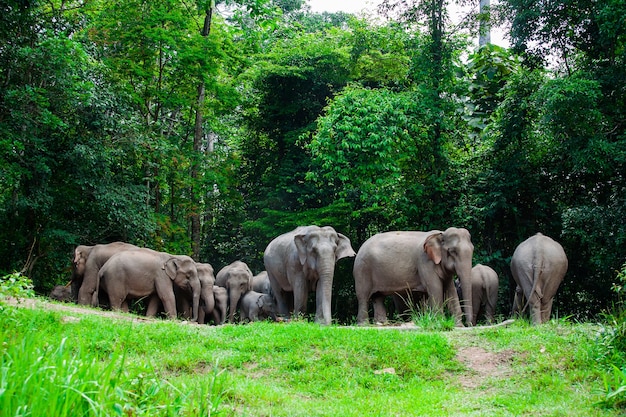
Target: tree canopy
[{"x": 208, "y": 128}]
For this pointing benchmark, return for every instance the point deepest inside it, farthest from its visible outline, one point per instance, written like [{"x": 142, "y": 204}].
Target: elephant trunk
[
  {"x": 195, "y": 288},
  {"x": 234, "y": 296},
  {"x": 324, "y": 292},
  {"x": 209, "y": 300},
  {"x": 465, "y": 278}
]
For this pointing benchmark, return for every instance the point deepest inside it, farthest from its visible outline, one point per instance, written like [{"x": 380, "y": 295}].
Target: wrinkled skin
[
  {"x": 261, "y": 283},
  {"x": 538, "y": 266},
  {"x": 221, "y": 304},
  {"x": 143, "y": 273},
  {"x": 61, "y": 293},
  {"x": 485, "y": 285},
  {"x": 184, "y": 298},
  {"x": 393, "y": 262},
  {"x": 257, "y": 306},
  {"x": 237, "y": 279},
  {"x": 93, "y": 260},
  {"x": 304, "y": 260},
  {"x": 79, "y": 262}
]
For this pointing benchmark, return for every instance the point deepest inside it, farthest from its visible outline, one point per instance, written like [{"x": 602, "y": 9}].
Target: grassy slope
[{"x": 101, "y": 366}]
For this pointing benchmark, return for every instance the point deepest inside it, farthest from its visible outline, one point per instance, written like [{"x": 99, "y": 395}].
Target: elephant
[
  {"x": 81, "y": 253},
  {"x": 184, "y": 297},
  {"x": 397, "y": 261},
  {"x": 261, "y": 283},
  {"x": 93, "y": 258},
  {"x": 485, "y": 285},
  {"x": 257, "y": 306},
  {"x": 237, "y": 279},
  {"x": 221, "y": 303},
  {"x": 304, "y": 260},
  {"x": 61, "y": 293},
  {"x": 145, "y": 272},
  {"x": 538, "y": 266}
]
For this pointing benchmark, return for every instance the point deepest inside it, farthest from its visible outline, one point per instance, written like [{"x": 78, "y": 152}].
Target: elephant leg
[
  {"x": 153, "y": 306},
  {"x": 380, "y": 312},
  {"x": 535, "y": 308},
  {"x": 300, "y": 293},
  {"x": 546, "y": 310},
  {"x": 476, "y": 306},
  {"x": 452, "y": 301},
  {"x": 165, "y": 291}
]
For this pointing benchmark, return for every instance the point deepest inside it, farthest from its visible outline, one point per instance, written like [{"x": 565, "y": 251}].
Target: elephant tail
[{"x": 537, "y": 266}]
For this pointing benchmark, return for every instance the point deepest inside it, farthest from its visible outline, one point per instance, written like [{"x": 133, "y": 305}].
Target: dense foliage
[{"x": 208, "y": 128}]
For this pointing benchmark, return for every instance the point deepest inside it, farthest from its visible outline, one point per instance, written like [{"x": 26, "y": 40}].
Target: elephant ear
[
  {"x": 170, "y": 267},
  {"x": 344, "y": 248},
  {"x": 432, "y": 247},
  {"x": 300, "y": 242}
]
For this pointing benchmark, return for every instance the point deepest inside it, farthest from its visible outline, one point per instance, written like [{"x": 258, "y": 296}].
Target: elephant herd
[{"x": 403, "y": 264}]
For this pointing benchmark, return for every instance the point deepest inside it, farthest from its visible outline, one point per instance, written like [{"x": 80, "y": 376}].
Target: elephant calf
[
  {"x": 484, "y": 292},
  {"x": 257, "y": 306}
]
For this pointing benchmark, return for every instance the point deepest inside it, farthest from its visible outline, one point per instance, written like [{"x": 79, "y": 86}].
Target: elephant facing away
[
  {"x": 304, "y": 260},
  {"x": 394, "y": 262},
  {"x": 221, "y": 304},
  {"x": 143, "y": 273},
  {"x": 89, "y": 260},
  {"x": 538, "y": 266},
  {"x": 257, "y": 306},
  {"x": 237, "y": 279},
  {"x": 485, "y": 286}
]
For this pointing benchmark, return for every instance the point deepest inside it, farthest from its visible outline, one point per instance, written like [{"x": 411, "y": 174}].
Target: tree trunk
[{"x": 197, "y": 148}]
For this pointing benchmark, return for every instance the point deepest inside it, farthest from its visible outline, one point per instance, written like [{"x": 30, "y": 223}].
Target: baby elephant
[
  {"x": 484, "y": 292},
  {"x": 257, "y": 306}
]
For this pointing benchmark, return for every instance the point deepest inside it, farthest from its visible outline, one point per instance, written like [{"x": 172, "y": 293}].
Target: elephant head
[
  {"x": 318, "y": 249},
  {"x": 184, "y": 274},
  {"x": 81, "y": 253},
  {"x": 453, "y": 250},
  {"x": 237, "y": 279}
]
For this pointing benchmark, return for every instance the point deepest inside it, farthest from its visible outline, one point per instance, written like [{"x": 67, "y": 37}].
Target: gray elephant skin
[
  {"x": 394, "y": 262},
  {"x": 261, "y": 283},
  {"x": 538, "y": 266},
  {"x": 485, "y": 286},
  {"x": 87, "y": 262},
  {"x": 237, "y": 279},
  {"x": 144, "y": 272},
  {"x": 304, "y": 260},
  {"x": 221, "y": 304},
  {"x": 257, "y": 306},
  {"x": 61, "y": 293},
  {"x": 184, "y": 298}
]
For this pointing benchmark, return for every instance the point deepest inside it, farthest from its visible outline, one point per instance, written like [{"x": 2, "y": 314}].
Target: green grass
[{"x": 97, "y": 366}]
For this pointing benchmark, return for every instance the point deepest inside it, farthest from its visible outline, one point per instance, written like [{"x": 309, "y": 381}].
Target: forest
[{"x": 208, "y": 128}]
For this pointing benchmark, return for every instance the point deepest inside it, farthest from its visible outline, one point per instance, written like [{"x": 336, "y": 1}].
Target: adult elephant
[
  {"x": 303, "y": 260},
  {"x": 184, "y": 297},
  {"x": 538, "y": 266},
  {"x": 261, "y": 283},
  {"x": 237, "y": 279},
  {"x": 143, "y": 273},
  {"x": 485, "y": 285},
  {"x": 394, "y": 262},
  {"x": 93, "y": 259},
  {"x": 81, "y": 253}
]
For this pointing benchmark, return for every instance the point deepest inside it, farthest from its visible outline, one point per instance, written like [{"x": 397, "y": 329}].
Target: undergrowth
[{"x": 611, "y": 344}]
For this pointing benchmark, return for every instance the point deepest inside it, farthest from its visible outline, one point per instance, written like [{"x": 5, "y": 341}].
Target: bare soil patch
[{"x": 483, "y": 365}]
